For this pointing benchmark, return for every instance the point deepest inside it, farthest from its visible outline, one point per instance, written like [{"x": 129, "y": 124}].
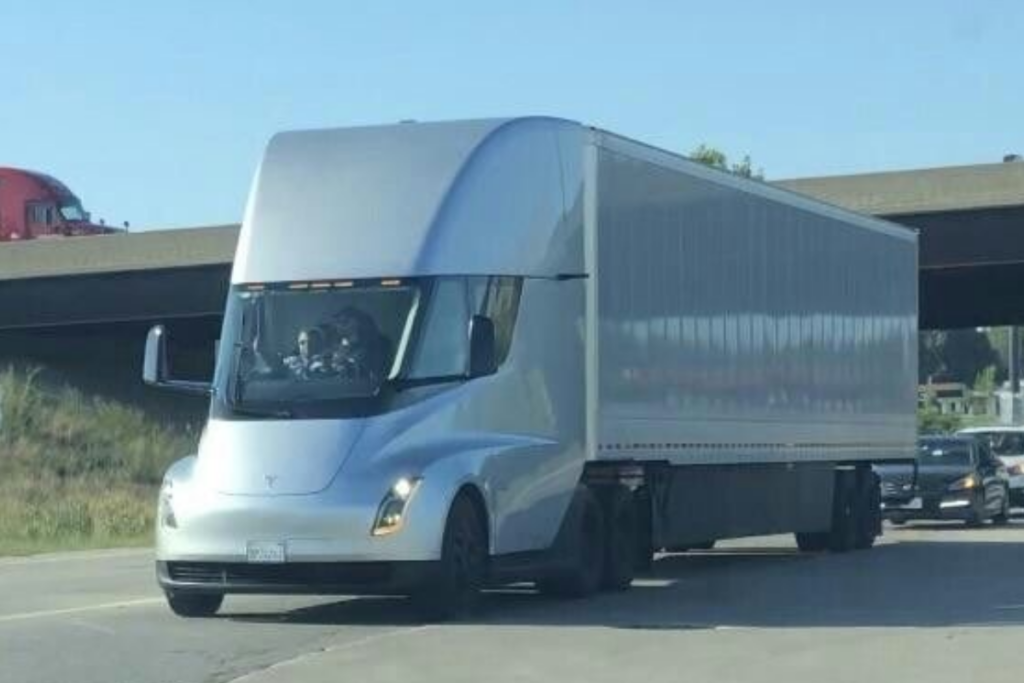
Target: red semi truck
[{"x": 37, "y": 205}]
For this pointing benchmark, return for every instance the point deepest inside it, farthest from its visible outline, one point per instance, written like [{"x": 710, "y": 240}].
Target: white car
[{"x": 1008, "y": 444}]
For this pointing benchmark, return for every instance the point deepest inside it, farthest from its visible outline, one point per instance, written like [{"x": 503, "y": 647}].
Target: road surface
[{"x": 940, "y": 602}]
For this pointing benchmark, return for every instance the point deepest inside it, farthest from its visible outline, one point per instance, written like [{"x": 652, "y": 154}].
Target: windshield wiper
[
  {"x": 401, "y": 384},
  {"x": 282, "y": 413}
]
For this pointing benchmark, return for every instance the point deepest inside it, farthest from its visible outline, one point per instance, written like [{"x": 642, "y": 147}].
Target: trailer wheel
[
  {"x": 1003, "y": 518},
  {"x": 868, "y": 509},
  {"x": 845, "y": 517},
  {"x": 581, "y": 543},
  {"x": 812, "y": 542},
  {"x": 462, "y": 569},
  {"x": 643, "y": 549},
  {"x": 620, "y": 538},
  {"x": 194, "y": 605}
]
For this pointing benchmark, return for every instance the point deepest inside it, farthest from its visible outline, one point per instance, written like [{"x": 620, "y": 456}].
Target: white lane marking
[
  {"x": 275, "y": 668},
  {"x": 75, "y": 555},
  {"x": 6, "y": 618},
  {"x": 80, "y": 623}
]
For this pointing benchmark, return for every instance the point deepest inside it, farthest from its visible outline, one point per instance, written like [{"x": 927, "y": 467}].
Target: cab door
[{"x": 40, "y": 219}]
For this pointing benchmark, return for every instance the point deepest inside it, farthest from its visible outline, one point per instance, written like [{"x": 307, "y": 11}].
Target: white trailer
[{"x": 479, "y": 352}]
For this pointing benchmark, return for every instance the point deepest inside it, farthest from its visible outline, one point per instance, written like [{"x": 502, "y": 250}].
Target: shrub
[{"x": 75, "y": 467}]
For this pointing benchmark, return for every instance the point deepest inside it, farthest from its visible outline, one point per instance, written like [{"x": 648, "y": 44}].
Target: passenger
[
  {"x": 309, "y": 361},
  {"x": 357, "y": 351}
]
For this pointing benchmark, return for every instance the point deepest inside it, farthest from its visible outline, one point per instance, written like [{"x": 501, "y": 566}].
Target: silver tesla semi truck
[{"x": 463, "y": 354}]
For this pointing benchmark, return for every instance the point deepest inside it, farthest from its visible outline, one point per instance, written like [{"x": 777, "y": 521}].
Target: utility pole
[
  {"x": 1013, "y": 369},
  {"x": 1013, "y": 360}
]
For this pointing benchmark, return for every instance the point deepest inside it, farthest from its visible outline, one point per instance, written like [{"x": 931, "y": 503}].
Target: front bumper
[
  {"x": 333, "y": 526},
  {"x": 955, "y": 506},
  {"x": 299, "y": 578}
]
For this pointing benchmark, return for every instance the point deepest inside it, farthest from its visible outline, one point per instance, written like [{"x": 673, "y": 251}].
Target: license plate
[
  {"x": 264, "y": 552},
  {"x": 914, "y": 504}
]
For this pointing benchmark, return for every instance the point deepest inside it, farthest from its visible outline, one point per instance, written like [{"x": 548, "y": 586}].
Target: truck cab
[{"x": 34, "y": 205}]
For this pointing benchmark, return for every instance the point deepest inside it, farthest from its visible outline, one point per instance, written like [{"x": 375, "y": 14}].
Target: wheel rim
[{"x": 467, "y": 560}]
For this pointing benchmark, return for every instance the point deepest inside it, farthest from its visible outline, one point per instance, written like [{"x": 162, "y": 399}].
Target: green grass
[{"x": 77, "y": 471}]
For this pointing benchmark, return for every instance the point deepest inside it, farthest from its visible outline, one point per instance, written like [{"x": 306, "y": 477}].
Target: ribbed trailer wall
[{"x": 737, "y": 323}]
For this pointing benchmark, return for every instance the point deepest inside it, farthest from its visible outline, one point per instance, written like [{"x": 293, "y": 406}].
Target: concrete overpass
[
  {"x": 84, "y": 303},
  {"x": 971, "y": 222}
]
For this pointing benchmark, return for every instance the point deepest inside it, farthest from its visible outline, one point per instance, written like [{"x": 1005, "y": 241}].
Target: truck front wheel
[
  {"x": 462, "y": 570},
  {"x": 193, "y": 605}
]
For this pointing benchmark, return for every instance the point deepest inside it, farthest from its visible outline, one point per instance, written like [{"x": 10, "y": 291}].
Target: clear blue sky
[{"x": 157, "y": 112}]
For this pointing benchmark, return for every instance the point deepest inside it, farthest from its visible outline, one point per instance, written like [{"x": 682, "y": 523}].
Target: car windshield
[
  {"x": 73, "y": 211},
  {"x": 943, "y": 452},
  {"x": 312, "y": 342},
  {"x": 1003, "y": 443}
]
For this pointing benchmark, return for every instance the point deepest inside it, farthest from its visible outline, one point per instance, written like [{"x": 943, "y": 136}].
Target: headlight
[
  {"x": 1015, "y": 470},
  {"x": 391, "y": 513},
  {"x": 165, "y": 507},
  {"x": 968, "y": 482}
]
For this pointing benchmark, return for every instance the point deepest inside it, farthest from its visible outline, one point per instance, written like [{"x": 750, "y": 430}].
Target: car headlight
[
  {"x": 1015, "y": 470},
  {"x": 964, "y": 483},
  {"x": 165, "y": 506},
  {"x": 391, "y": 513}
]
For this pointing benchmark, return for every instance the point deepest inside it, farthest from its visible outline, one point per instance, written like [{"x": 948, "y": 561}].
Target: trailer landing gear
[
  {"x": 856, "y": 514},
  {"x": 597, "y": 543}
]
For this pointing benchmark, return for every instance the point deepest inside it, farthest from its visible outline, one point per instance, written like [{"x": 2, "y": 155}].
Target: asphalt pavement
[{"x": 932, "y": 601}]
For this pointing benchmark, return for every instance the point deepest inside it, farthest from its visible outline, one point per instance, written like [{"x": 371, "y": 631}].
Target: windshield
[
  {"x": 296, "y": 349},
  {"x": 73, "y": 211},
  {"x": 312, "y": 342},
  {"x": 943, "y": 452},
  {"x": 1003, "y": 443}
]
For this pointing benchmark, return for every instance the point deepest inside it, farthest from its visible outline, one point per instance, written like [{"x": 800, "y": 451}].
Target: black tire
[
  {"x": 462, "y": 569},
  {"x": 1003, "y": 518},
  {"x": 581, "y": 546},
  {"x": 976, "y": 516},
  {"x": 812, "y": 542},
  {"x": 868, "y": 509},
  {"x": 194, "y": 605},
  {"x": 845, "y": 517},
  {"x": 620, "y": 538},
  {"x": 897, "y": 521},
  {"x": 643, "y": 551}
]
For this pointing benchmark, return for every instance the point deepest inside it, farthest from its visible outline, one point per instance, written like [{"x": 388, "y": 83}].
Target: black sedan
[{"x": 957, "y": 477}]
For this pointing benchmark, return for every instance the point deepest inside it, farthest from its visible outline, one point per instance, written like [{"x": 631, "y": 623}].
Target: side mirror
[
  {"x": 155, "y": 372},
  {"x": 154, "y": 365},
  {"x": 483, "y": 352}
]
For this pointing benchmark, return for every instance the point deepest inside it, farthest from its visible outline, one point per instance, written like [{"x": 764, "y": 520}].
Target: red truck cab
[{"x": 37, "y": 205}]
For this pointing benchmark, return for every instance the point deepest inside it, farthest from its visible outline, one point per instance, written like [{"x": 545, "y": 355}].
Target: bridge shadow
[{"x": 905, "y": 583}]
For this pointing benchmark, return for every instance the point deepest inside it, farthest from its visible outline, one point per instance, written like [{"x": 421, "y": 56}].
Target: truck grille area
[{"x": 310, "y": 574}]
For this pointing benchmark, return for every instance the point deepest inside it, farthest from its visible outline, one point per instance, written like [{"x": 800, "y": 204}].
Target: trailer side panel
[{"x": 737, "y": 323}]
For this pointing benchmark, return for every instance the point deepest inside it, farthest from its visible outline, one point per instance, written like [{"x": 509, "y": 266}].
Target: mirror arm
[{"x": 187, "y": 387}]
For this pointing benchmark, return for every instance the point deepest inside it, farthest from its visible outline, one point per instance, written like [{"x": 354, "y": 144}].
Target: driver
[{"x": 310, "y": 359}]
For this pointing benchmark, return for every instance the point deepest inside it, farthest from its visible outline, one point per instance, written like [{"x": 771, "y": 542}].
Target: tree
[
  {"x": 956, "y": 356},
  {"x": 985, "y": 381},
  {"x": 716, "y": 158}
]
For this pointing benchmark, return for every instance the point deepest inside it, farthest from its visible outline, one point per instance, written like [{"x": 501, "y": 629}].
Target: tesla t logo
[{"x": 270, "y": 479}]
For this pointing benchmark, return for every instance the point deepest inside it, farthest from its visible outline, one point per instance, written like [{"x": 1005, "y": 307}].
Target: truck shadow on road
[{"x": 904, "y": 583}]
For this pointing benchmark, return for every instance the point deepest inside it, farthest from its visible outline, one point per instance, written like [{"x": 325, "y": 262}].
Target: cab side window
[
  {"x": 497, "y": 297},
  {"x": 444, "y": 345},
  {"x": 40, "y": 213}
]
